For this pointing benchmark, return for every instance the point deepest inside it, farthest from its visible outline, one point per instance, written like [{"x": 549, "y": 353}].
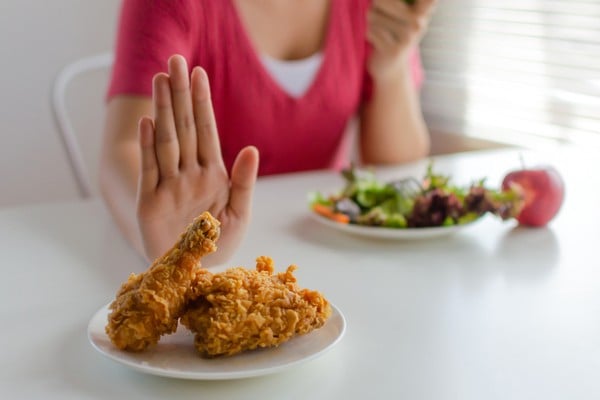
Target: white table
[{"x": 493, "y": 312}]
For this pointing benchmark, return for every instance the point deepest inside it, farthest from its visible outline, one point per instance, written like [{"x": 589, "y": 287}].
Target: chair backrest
[{"x": 78, "y": 108}]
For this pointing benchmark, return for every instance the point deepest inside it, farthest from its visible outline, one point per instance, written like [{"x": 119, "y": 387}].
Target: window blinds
[{"x": 517, "y": 71}]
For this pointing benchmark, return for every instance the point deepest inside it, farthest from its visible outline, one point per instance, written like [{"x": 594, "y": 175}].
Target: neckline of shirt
[
  {"x": 258, "y": 58},
  {"x": 294, "y": 76}
]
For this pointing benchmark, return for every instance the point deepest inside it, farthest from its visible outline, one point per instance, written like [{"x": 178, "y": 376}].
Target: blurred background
[
  {"x": 38, "y": 39},
  {"x": 498, "y": 73}
]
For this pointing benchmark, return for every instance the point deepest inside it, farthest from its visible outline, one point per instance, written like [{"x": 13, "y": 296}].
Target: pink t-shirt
[{"x": 291, "y": 133}]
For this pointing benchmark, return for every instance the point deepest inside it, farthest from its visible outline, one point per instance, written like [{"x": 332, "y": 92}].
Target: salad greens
[{"x": 410, "y": 203}]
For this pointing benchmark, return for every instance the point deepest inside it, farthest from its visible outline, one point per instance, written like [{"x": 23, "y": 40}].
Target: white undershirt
[{"x": 295, "y": 77}]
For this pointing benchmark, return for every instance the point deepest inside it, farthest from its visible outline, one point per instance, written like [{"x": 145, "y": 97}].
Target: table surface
[{"x": 492, "y": 312}]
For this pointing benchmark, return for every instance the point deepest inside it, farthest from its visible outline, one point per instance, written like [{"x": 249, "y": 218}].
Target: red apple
[{"x": 543, "y": 190}]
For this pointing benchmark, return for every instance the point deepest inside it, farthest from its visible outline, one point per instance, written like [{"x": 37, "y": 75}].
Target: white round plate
[
  {"x": 391, "y": 233},
  {"x": 175, "y": 355}
]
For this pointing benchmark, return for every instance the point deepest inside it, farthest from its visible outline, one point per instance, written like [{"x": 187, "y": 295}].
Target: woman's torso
[
  {"x": 251, "y": 107},
  {"x": 291, "y": 133}
]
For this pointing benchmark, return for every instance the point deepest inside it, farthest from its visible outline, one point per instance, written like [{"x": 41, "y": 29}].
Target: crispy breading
[
  {"x": 149, "y": 305},
  {"x": 242, "y": 309}
]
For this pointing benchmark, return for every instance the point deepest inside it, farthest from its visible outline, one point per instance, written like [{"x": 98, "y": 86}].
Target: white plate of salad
[
  {"x": 409, "y": 208},
  {"x": 389, "y": 233}
]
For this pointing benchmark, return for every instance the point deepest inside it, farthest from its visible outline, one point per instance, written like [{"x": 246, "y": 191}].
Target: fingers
[
  {"x": 425, "y": 8},
  {"x": 243, "y": 178},
  {"x": 386, "y": 31},
  {"x": 394, "y": 22},
  {"x": 423, "y": 11},
  {"x": 393, "y": 9},
  {"x": 182, "y": 110},
  {"x": 390, "y": 24},
  {"x": 166, "y": 142},
  {"x": 209, "y": 148},
  {"x": 185, "y": 127},
  {"x": 401, "y": 8},
  {"x": 149, "y": 174},
  {"x": 380, "y": 38}
]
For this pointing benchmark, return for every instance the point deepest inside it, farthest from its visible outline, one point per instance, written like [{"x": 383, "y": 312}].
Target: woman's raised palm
[{"x": 182, "y": 171}]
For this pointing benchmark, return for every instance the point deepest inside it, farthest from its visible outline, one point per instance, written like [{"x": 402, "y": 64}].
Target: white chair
[{"x": 78, "y": 108}]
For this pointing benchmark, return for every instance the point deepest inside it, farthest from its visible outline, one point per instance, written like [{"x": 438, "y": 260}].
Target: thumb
[{"x": 243, "y": 178}]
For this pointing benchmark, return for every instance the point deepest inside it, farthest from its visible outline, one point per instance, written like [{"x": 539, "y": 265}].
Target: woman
[{"x": 200, "y": 149}]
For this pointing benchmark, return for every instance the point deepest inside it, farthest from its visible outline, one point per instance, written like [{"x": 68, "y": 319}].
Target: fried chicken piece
[
  {"x": 149, "y": 305},
  {"x": 242, "y": 309}
]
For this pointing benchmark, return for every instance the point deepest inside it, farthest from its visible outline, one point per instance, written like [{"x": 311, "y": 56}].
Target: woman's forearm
[
  {"x": 118, "y": 181},
  {"x": 392, "y": 126},
  {"x": 120, "y": 164}
]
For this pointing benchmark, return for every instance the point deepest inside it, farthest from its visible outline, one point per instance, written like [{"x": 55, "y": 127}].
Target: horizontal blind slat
[{"x": 528, "y": 65}]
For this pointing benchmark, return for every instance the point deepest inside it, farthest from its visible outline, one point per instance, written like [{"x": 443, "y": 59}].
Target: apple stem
[{"x": 522, "y": 159}]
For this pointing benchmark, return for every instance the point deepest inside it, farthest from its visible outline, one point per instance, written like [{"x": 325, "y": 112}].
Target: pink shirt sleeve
[
  {"x": 149, "y": 32},
  {"x": 416, "y": 68}
]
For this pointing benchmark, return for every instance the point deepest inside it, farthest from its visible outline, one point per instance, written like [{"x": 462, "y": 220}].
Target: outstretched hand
[
  {"x": 182, "y": 171},
  {"x": 394, "y": 28}
]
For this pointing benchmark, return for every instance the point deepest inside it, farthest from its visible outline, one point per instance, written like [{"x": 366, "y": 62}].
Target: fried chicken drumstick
[
  {"x": 242, "y": 309},
  {"x": 149, "y": 305}
]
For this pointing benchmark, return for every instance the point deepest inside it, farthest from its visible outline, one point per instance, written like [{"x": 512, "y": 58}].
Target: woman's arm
[
  {"x": 392, "y": 126},
  {"x": 120, "y": 163}
]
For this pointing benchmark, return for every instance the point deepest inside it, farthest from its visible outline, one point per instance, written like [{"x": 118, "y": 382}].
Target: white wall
[{"x": 38, "y": 37}]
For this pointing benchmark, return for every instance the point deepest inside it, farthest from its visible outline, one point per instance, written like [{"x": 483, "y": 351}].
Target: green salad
[{"x": 412, "y": 203}]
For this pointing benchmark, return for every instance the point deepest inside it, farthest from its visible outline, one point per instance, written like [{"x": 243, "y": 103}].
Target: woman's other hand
[
  {"x": 394, "y": 28},
  {"x": 182, "y": 170}
]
